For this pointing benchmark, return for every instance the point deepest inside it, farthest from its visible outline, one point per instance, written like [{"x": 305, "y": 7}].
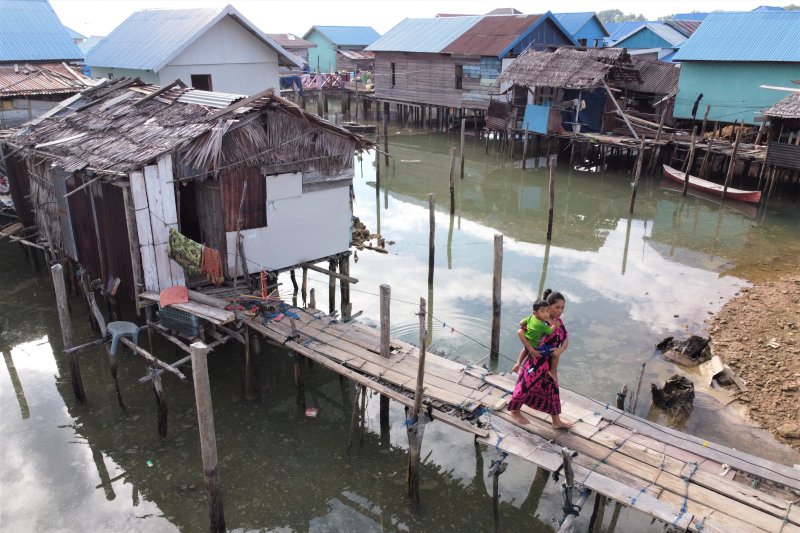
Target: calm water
[{"x": 629, "y": 282}]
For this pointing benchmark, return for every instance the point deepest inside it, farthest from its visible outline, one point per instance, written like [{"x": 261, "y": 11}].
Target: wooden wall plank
[
  {"x": 170, "y": 210},
  {"x": 159, "y": 229},
  {"x": 142, "y": 213}
]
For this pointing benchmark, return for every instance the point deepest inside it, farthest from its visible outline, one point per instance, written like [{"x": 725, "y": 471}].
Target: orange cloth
[
  {"x": 211, "y": 265},
  {"x": 173, "y": 295}
]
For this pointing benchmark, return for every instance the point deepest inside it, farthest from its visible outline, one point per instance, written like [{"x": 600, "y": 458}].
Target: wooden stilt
[
  {"x": 304, "y": 286},
  {"x": 57, "y": 272},
  {"x": 636, "y": 175},
  {"x": 386, "y": 137},
  {"x": 498, "y": 467},
  {"x": 332, "y": 287},
  {"x": 496, "y": 296},
  {"x": 551, "y": 201},
  {"x": 570, "y": 510},
  {"x": 431, "y": 234},
  {"x": 463, "y": 133},
  {"x": 525, "y": 150},
  {"x": 248, "y": 365},
  {"x": 299, "y": 380},
  {"x": 689, "y": 162},
  {"x": 415, "y": 423},
  {"x": 596, "y": 520},
  {"x": 312, "y": 301},
  {"x": 621, "y": 396},
  {"x": 385, "y": 350},
  {"x": 344, "y": 287},
  {"x": 208, "y": 437},
  {"x": 732, "y": 165},
  {"x": 161, "y": 402},
  {"x": 112, "y": 361},
  {"x": 452, "y": 181},
  {"x": 705, "y": 121},
  {"x": 707, "y": 159}
]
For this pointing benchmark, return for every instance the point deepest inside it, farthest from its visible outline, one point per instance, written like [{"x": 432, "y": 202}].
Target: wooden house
[
  {"x": 784, "y": 144},
  {"x": 257, "y": 184},
  {"x": 208, "y": 49},
  {"x": 453, "y": 62},
  {"x": 332, "y": 43},
  {"x": 727, "y": 60},
  {"x": 294, "y": 44},
  {"x": 585, "y": 27}
]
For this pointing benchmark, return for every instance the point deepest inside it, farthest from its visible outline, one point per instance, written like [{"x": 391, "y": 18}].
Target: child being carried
[{"x": 533, "y": 330}]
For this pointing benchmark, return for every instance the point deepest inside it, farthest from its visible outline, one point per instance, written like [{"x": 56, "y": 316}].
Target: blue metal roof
[
  {"x": 573, "y": 22},
  {"x": 618, "y": 30},
  {"x": 30, "y": 31},
  {"x": 671, "y": 36},
  {"x": 347, "y": 35},
  {"x": 74, "y": 34},
  {"x": 751, "y": 36},
  {"x": 768, "y": 8},
  {"x": 690, "y": 16},
  {"x": 429, "y": 35}
]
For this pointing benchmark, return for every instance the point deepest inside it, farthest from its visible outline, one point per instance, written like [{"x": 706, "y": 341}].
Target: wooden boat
[
  {"x": 711, "y": 187},
  {"x": 748, "y": 210}
]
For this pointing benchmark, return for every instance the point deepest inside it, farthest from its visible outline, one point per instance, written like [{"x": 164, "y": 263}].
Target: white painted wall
[
  {"x": 237, "y": 61},
  {"x": 299, "y": 228}
]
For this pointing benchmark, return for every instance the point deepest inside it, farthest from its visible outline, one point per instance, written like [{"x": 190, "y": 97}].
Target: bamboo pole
[
  {"x": 161, "y": 402},
  {"x": 57, "y": 272},
  {"x": 431, "y": 234},
  {"x": 496, "y": 297},
  {"x": 706, "y": 160},
  {"x": 386, "y": 139},
  {"x": 525, "y": 150},
  {"x": 732, "y": 165},
  {"x": 637, "y": 175},
  {"x": 208, "y": 437},
  {"x": 656, "y": 146},
  {"x": 385, "y": 351},
  {"x": 463, "y": 133}
]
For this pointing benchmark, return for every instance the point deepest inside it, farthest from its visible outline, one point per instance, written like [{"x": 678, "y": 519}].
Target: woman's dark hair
[
  {"x": 539, "y": 304},
  {"x": 552, "y": 297}
]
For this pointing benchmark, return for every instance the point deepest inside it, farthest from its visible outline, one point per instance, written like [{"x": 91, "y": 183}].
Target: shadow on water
[{"x": 629, "y": 281}]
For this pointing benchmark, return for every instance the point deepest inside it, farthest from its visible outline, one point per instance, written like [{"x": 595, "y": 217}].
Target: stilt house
[
  {"x": 784, "y": 144},
  {"x": 453, "y": 62},
  {"x": 257, "y": 181}
]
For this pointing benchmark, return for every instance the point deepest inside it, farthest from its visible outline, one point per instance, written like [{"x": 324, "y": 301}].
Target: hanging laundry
[
  {"x": 185, "y": 252},
  {"x": 211, "y": 265}
]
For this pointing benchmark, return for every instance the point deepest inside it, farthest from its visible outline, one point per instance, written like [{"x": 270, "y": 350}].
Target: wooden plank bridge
[{"x": 679, "y": 479}]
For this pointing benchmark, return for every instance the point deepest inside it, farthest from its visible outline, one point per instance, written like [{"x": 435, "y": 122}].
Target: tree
[
  {"x": 615, "y": 15},
  {"x": 791, "y": 7}
]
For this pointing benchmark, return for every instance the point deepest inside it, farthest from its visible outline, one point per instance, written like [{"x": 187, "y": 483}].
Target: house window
[
  {"x": 459, "y": 76},
  {"x": 582, "y": 42},
  {"x": 393, "y": 71},
  {"x": 202, "y": 82}
]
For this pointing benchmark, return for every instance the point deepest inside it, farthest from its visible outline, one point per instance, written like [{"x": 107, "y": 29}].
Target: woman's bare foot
[
  {"x": 517, "y": 415},
  {"x": 561, "y": 424},
  {"x": 553, "y": 375}
]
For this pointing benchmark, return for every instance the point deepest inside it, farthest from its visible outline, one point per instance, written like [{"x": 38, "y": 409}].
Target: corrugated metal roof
[
  {"x": 491, "y": 35},
  {"x": 423, "y": 35},
  {"x": 89, "y": 43},
  {"x": 74, "y": 34},
  {"x": 290, "y": 40},
  {"x": 617, "y": 30},
  {"x": 690, "y": 16},
  {"x": 573, "y": 22},
  {"x": 347, "y": 35},
  {"x": 670, "y": 35},
  {"x": 767, "y": 8},
  {"x": 788, "y": 107},
  {"x": 49, "y": 78},
  {"x": 752, "y": 36},
  {"x": 209, "y": 98},
  {"x": 30, "y": 31},
  {"x": 686, "y": 27},
  {"x": 357, "y": 55},
  {"x": 148, "y": 40}
]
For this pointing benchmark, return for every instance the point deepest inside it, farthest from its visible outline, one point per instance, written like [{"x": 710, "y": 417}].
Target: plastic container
[{"x": 184, "y": 323}]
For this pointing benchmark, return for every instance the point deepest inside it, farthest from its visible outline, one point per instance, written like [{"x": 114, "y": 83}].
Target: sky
[{"x": 99, "y": 17}]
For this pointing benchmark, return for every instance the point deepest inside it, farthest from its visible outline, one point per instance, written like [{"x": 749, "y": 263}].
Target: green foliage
[
  {"x": 791, "y": 7},
  {"x": 615, "y": 15}
]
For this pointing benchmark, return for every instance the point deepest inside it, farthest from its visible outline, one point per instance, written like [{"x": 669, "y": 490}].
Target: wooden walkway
[{"x": 677, "y": 478}]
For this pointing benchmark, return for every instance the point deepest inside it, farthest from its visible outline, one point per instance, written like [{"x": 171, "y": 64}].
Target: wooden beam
[
  {"x": 619, "y": 110},
  {"x": 144, "y": 353},
  {"x": 237, "y": 105},
  {"x": 321, "y": 270},
  {"x": 164, "y": 89}
]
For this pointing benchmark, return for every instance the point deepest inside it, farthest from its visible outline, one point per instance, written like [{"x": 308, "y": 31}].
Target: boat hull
[{"x": 710, "y": 187}]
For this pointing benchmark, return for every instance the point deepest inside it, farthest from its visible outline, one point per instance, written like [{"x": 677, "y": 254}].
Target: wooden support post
[
  {"x": 497, "y": 277},
  {"x": 385, "y": 351},
  {"x": 319, "y": 103},
  {"x": 619, "y": 111},
  {"x": 732, "y": 165},
  {"x": 360, "y": 390},
  {"x": 621, "y": 396},
  {"x": 386, "y": 137},
  {"x": 636, "y": 175},
  {"x": 161, "y": 401},
  {"x": 597, "y": 512},
  {"x": 570, "y": 510},
  {"x": 635, "y": 400},
  {"x": 332, "y": 287},
  {"x": 656, "y": 145},
  {"x": 689, "y": 162},
  {"x": 112, "y": 361},
  {"x": 208, "y": 437},
  {"x": 57, "y": 272},
  {"x": 452, "y": 180},
  {"x": 525, "y": 150},
  {"x": 248, "y": 365},
  {"x": 551, "y": 201},
  {"x": 344, "y": 287},
  {"x": 415, "y": 423},
  {"x": 498, "y": 467},
  {"x": 431, "y": 234},
  {"x": 237, "y": 244},
  {"x": 312, "y": 301},
  {"x": 304, "y": 286},
  {"x": 299, "y": 380},
  {"x": 133, "y": 242},
  {"x": 463, "y": 129}
]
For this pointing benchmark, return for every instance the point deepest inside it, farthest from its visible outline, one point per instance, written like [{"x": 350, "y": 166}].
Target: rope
[
  {"x": 660, "y": 469},
  {"x": 786, "y": 517},
  {"x": 687, "y": 479},
  {"x": 604, "y": 459}
]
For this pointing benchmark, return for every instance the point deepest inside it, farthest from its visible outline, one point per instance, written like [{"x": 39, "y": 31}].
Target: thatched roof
[
  {"x": 124, "y": 125},
  {"x": 657, "y": 77},
  {"x": 787, "y": 107},
  {"x": 569, "y": 68}
]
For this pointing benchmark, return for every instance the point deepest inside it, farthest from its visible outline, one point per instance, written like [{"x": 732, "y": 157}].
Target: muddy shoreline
[{"x": 757, "y": 333}]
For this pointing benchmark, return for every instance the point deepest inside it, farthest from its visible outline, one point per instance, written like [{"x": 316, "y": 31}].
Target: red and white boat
[{"x": 711, "y": 187}]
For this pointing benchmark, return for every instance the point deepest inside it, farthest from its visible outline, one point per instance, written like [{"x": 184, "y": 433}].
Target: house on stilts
[{"x": 148, "y": 187}]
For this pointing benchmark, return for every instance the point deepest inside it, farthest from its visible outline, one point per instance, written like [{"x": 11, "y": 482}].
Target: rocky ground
[{"x": 757, "y": 334}]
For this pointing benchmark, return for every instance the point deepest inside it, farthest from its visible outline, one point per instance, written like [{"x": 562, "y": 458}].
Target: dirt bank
[{"x": 757, "y": 333}]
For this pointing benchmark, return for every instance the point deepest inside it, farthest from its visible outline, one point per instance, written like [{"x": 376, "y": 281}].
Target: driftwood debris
[
  {"x": 689, "y": 352},
  {"x": 676, "y": 396}
]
